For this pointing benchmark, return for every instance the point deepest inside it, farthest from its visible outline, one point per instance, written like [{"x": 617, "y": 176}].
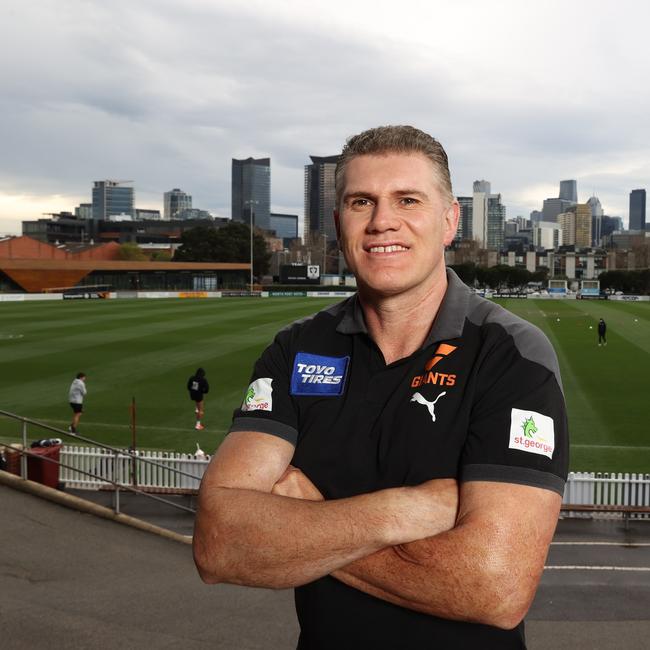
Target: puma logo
[{"x": 417, "y": 397}]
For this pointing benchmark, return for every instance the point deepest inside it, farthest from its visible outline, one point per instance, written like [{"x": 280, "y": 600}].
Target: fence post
[{"x": 23, "y": 457}]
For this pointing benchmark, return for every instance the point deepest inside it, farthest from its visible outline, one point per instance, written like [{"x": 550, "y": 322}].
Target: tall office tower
[
  {"x": 569, "y": 191},
  {"x": 251, "y": 191},
  {"x": 112, "y": 198},
  {"x": 596, "y": 219},
  {"x": 567, "y": 222},
  {"x": 481, "y": 186},
  {"x": 320, "y": 197},
  {"x": 495, "y": 222},
  {"x": 576, "y": 226},
  {"x": 488, "y": 217},
  {"x": 637, "y": 210},
  {"x": 176, "y": 201},
  {"x": 465, "y": 220},
  {"x": 552, "y": 207},
  {"x": 610, "y": 225},
  {"x": 536, "y": 216}
]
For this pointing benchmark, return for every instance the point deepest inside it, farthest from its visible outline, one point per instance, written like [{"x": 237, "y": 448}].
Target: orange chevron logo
[{"x": 443, "y": 350}]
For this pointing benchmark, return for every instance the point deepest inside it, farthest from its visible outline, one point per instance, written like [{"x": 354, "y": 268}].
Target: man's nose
[{"x": 383, "y": 217}]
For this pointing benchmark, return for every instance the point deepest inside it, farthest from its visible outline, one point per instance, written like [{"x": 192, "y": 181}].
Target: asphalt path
[{"x": 71, "y": 580}]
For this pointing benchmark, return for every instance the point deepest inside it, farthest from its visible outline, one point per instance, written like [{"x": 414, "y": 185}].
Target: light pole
[{"x": 250, "y": 204}]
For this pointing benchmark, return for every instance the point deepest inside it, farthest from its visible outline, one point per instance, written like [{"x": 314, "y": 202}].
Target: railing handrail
[
  {"x": 116, "y": 452},
  {"x": 115, "y": 484},
  {"x": 124, "y": 452}
]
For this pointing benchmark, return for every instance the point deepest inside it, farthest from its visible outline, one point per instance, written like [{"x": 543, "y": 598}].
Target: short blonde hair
[{"x": 395, "y": 139}]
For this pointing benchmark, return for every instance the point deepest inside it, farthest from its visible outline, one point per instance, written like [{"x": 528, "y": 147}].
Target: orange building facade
[{"x": 31, "y": 266}]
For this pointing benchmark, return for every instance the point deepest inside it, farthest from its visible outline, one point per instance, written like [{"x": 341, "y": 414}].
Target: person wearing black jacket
[
  {"x": 602, "y": 332},
  {"x": 198, "y": 386}
]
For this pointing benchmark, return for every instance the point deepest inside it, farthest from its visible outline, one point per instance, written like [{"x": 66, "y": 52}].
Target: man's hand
[{"x": 293, "y": 483}]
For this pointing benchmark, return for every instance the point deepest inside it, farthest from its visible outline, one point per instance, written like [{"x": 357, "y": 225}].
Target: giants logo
[{"x": 438, "y": 378}]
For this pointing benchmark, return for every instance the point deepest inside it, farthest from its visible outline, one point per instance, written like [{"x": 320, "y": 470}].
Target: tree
[
  {"x": 131, "y": 252},
  {"x": 161, "y": 256},
  {"x": 231, "y": 243}
]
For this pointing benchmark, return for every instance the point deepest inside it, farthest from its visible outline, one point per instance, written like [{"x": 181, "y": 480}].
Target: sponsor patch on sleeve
[
  {"x": 259, "y": 396},
  {"x": 532, "y": 432},
  {"x": 317, "y": 375}
]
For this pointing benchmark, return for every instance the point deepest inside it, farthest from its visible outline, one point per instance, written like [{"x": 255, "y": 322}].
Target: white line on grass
[
  {"x": 611, "y": 446},
  {"x": 87, "y": 423}
]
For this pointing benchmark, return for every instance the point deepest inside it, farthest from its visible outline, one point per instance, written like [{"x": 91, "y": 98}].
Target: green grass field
[{"x": 147, "y": 348}]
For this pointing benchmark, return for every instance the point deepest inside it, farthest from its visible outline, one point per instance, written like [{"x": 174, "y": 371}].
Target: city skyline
[{"x": 165, "y": 94}]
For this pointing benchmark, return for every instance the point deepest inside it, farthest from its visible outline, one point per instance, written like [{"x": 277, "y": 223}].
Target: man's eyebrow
[
  {"x": 410, "y": 192},
  {"x": 355, "y": 195},
  {"x": 402, "y": 192}
]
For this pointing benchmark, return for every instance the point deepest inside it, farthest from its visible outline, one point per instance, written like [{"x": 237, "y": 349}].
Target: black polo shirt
[{"x": 480, "y": 400}]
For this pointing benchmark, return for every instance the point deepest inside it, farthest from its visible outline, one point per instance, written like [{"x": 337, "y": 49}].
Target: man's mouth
[{"x": 393, "y": 248}]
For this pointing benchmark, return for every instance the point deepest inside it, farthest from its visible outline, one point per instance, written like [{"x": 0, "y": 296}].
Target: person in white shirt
[{"x": 76, "y": 396}]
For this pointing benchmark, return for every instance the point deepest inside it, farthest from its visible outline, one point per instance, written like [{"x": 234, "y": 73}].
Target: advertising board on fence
[{"x": 91, "y": 294}]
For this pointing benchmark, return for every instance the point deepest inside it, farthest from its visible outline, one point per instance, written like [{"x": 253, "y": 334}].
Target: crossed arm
[{"x": 476, "y": 558}]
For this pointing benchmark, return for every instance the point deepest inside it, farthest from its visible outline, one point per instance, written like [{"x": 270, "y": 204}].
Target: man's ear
[{"x": 452, "y": 215}]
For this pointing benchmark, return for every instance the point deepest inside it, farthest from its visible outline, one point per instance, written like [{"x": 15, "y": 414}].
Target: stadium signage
[
  {"x": 85, "y": 295},
  {"x": 510, "y": 295},
  {"x": 193, "y": 294},
  {"x": 299, "y": 274}
]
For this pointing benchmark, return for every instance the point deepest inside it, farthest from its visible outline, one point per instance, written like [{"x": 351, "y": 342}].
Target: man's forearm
[
  {"x": 260, "y": 539},
  {"x": 483, "y": 570}
]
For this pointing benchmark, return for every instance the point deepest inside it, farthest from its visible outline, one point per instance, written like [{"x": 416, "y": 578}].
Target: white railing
[
  {"x": 603, "y": 489},
  {"x": 118, "y": 467}
]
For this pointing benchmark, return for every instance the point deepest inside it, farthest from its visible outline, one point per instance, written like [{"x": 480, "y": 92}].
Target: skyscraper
[
  {"x": 488, "y": 217},
  {"x": 176, "y": 201},
  {"x": 112, "y": 198},
  {"x": 637, "y": 210},
  {"x": 596, "y": 219},
  {"x": 465, "y": 221},
  {"x": 251, "y": 191},
  {"x": 552, "y": 207},
  {"x": 569, "y": 191},
  {"x": 320, "y": 197},
  {"x": 576, "y": 226}
]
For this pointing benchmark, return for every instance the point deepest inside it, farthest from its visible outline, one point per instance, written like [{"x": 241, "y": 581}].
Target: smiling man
[{"x": 399, "y": 458}]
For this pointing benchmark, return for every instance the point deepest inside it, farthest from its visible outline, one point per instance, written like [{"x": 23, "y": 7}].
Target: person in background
[
  {"x": 198, "y": 386},
  {"x": 76, "y": 396},
  {"x": 602, "y": 331}
]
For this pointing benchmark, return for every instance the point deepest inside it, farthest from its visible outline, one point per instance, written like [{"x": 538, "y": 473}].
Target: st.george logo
[
  {"x": 532, "y": 432},
  {"x": 259, "y": 396},
  {"x": 417, "y": 397}
]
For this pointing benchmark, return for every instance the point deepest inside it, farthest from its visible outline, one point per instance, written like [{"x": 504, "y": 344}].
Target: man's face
[{"x": 393, "y": 222}]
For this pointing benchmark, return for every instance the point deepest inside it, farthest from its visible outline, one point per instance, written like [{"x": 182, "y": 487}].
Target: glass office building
[
  {"x": 251, "y": 191},
  {"x": 112, "y": 198}
]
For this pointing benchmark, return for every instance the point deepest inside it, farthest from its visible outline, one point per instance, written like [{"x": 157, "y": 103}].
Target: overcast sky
[{"x": 165, "y": 93}]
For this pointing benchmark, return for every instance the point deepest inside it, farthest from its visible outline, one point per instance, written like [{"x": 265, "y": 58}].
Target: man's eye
[
  {"x": 408, "y": 200},
  {"x": 360, "y": 203}
]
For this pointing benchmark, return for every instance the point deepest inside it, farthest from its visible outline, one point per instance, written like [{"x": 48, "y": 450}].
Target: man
[
  {"x": 400, "y": 457},
  {"x": 76, "y": 395},
  {"x": 198, "y": 386},
  {"x": 602, "y": 331}
]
